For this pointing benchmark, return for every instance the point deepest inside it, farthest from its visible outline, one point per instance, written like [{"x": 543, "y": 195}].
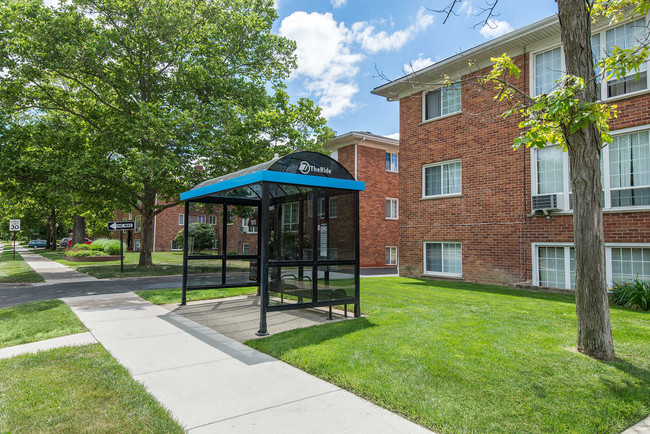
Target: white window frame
[
  {"x": 246, "y": 229},
  {"x": 607, "y": 205},
  {"x": 391, "y": 249},
  {"x": 567, "y": 259},
  {"x": 602, "y": 32},
  {"x": 136, "y": 245},
  {"x": 200, "y": 219},
  {"x": 391, "y": 168},
  {"x": 334, "y": 206},
  {"x": 396, "y": 202},
  {"x": 441, "y": 163},
  {"x": 181, "y": 219},
  {"x": 245, "y": 248},
  {"x": 230, "y": 217},
  {"x": 212, "y": 220},
  {"x": 137, "y": 224},
  {"x": 441, "y": 273},
  {"x": 288, "y": 224},
  {"x": 177, "y": 248},
  {"x": 442, "y": 115}
]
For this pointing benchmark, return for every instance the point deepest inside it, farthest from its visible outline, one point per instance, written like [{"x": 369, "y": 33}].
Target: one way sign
[{"x": 121, "y": 226}]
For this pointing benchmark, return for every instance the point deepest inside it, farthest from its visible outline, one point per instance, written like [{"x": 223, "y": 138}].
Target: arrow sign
[{"x": 121, "y": 226}]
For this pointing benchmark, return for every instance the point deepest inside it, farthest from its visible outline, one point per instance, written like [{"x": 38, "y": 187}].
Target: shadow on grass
[
  {"x": 280, "y": 343},
  {"x": 494, "y": 289},
  {"x": 631, "y": 369}
]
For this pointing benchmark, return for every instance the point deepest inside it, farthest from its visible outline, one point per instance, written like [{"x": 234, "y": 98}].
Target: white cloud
[
  {"x": 417, "y": 64},
  {"x": 467, "y": 8},
  {"x": 393, "y": 136},
  {"x": 324, "y": 58},
  {"x": 373, "y": 41},
  {"x": 338, "y": 3},
  {"x": 495, "y": 28}
]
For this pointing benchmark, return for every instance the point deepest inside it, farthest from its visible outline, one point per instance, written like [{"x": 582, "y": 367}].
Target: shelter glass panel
[
  {"x": 241, "y": 271},
  {"x": 291, "y": 284},
  {"x": 204, "y": 272},
  {"x": 290, "y": 231},
  {"x": 335, "y": 282},
  {"x": 336, "y": 238}
]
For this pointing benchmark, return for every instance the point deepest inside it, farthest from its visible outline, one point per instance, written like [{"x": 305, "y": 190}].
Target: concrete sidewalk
[
  {"x": 212, "y": 383},
  {"x": 52, "y": 271},
  {"x": 48, "y": 344}
]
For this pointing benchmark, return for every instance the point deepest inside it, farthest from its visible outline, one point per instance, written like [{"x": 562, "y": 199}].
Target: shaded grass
[
  {"x": 164, "y": 264},
  {"x": 16, "y": 270},
  {"x": 458, "y": 357},
  {"x": 76, "y": 389},
  {"x": 31, "y": 322},
  {"x": 170, "y": 296}
]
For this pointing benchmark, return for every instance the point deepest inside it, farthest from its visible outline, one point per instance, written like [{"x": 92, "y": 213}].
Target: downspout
[{"x": 356, "y": 163}]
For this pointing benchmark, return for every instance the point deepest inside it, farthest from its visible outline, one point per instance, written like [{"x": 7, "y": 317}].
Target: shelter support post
[
  {"x": 186, "y": 225},
  {"x": 357, "y": 254},
  {"x": 264, "y": 258}
]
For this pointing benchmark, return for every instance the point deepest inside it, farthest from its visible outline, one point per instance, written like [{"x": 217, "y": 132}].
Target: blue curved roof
[{"x": 304, "y": 168}]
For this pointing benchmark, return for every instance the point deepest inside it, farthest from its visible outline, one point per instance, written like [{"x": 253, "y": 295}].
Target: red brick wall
[
  {"x": 375, "y": 231},
  {"x": 492, "y": 217}
]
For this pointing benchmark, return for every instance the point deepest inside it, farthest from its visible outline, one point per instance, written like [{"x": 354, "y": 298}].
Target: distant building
[
  {"x": 241, "y": 235},
  {"x": 374, "y": 160}
]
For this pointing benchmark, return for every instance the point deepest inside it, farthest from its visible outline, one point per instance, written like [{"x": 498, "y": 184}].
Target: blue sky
[{"x": 340, "y": 42}]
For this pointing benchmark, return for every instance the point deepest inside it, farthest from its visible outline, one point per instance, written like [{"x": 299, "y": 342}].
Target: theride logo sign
[{"x": 306, "y": 168}]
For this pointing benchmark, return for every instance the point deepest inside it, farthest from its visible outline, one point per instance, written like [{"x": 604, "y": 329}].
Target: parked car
[
  {"x": 64, "y": 241},
  {"x": 86, "y": 241},
  {"x": 37, "y": 243}
]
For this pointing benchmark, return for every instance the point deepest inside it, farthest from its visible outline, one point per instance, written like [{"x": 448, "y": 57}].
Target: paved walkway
[
  {"x": 48, "y": 344},
  {"x": 212, "y": 383},
  {"x": 52, "y": 271}
]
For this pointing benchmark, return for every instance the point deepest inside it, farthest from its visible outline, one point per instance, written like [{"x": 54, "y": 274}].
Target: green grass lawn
[
  {"x": 164, "y": 264},
  {"x": 15, "y": 270},
  {"x": 170, "y": 296},
  {"x": 31, "y": 322},
  {"x": 76, "y": 389},
  {"x": 457, "y": 357}
]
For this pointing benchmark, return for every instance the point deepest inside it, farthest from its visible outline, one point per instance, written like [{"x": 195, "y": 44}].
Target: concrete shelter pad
[{"x": 239, "y": 317}]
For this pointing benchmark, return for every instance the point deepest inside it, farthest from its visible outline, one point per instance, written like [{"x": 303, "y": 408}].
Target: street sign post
[
  {"x": 14, "y": 226},
  {"x": 121, "y": 226}
]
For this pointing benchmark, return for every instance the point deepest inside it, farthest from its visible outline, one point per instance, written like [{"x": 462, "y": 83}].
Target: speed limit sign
[{"x": 14, "y": 225}]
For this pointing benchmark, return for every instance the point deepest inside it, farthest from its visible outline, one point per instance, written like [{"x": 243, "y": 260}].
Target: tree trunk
[
  {"x": 53, "y": 239},
  {"x": 146, "y": 234},
  {"x": 592, "y": 305},
  {"x": 48, "y": 233},
  {"x": 78, "y": 230}
]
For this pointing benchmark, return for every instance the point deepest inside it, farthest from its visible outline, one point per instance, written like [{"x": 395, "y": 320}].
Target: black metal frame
[{"x": 264, "y": 263}]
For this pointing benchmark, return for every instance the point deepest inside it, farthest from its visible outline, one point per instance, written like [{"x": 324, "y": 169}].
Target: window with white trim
[
  {"x": 625, "y": 172},
  {"x": 443, "y": 259},
  {"x": 334, "y": 207},
  {"x": 290, "y": 216},
  {"x": 442, "y": 179},
  {"x": 212, "y": 220},
  {"x": 230, "y": 215},
  {"x": 442, "y": 102},
  {"x": 137, "y": 223},
  {"x": 554, "y": 264},
  {"x": 175, "y": 245},
  {"x": 246, "y": 227},
  {"x": 181, "y": 219},
  {"x": 245, "y": 249},
  {"x": 391, "y": 255},
  {"x": 392, "y": 211},
  {"x": 391, "y": 162},
  {"x": 201, "y": 219},
  {"x": 549, "y": 65},
  {"x": 548, "y": 69},
  {"x": 136, "y": 245}
]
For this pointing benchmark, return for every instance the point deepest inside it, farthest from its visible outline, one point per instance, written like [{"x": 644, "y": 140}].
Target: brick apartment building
[
  {"x": 241, "y": 236},
  {"x": 374, "y": 160},
  {"x": 471, "y": 208}
]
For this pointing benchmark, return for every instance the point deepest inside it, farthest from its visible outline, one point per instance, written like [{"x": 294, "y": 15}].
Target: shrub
[
  {"x": 81, "y": 246},
  {"x": 84, "y": 253},
  {"x": 110, "y": 247},
  {"x": 632, "y": 294},
  {"x": 203, "y": 236}
]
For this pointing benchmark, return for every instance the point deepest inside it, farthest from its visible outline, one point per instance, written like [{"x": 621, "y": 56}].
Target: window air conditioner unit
[{"x": 547, "y": 202}]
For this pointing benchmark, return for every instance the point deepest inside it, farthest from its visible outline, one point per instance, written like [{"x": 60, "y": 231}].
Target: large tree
[
  {"x": 573, "y": 118},
  {"x": 161, "y": 88}
]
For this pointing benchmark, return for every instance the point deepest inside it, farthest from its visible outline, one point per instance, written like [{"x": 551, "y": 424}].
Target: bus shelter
[{"x": 304, "y": 208}]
